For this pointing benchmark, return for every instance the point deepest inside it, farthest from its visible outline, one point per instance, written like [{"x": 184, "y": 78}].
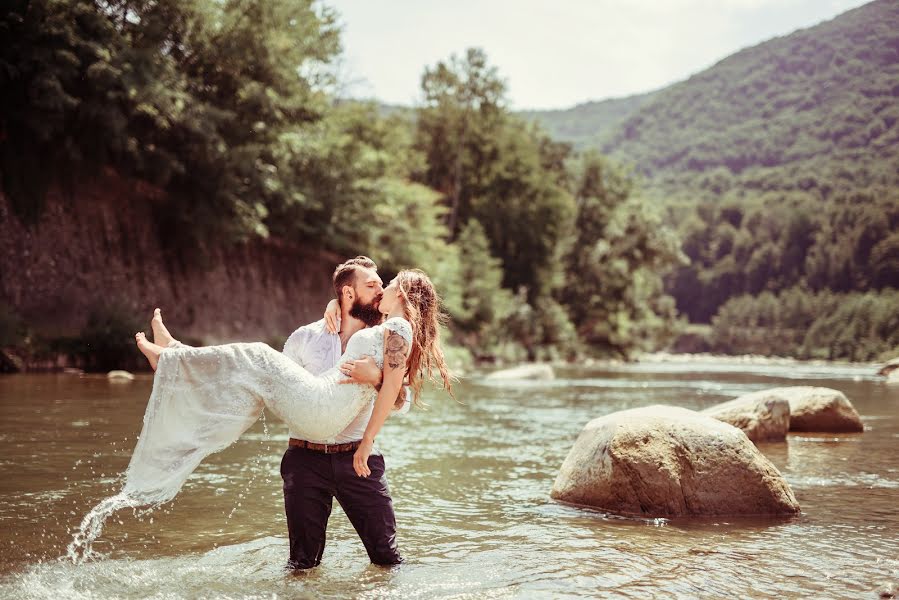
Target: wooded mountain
[
  {"x": 822, "y": 101},
  {"x": 591, "y": 124},
  {"x": 778, "y": 166}
]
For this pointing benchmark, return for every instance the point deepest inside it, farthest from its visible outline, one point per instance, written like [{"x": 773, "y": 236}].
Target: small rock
[
  {"x": 120, "y": 376},
  {"x": 891, "y": 366},
  {"x": 888, "y": 590},
  {"x": 763, "y": 417},
  {"x": 10, "y": 362},
  {"x": 526, "y": 371},
  {"x": 72, "y": 371}
]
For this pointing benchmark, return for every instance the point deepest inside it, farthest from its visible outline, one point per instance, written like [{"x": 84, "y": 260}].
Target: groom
[{"x": 316, "y": 471}]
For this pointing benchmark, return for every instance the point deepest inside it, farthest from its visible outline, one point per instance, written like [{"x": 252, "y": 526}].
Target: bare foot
[
  {"x": 148, "y": 348},
  {"x": 161, "y": 335}
]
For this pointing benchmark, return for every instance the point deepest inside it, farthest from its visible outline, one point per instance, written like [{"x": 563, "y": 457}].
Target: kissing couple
[{"x": 334, "y": 392}]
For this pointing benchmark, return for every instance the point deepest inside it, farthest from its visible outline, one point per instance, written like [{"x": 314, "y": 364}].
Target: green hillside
[
  {"x": 814, "y": 109},
  {"x": 779, "y": 168},
  {"x": 591, "y": 124}
]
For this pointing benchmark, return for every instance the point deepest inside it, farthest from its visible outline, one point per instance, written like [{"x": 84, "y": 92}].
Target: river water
[{"x": 471, "y": 486}]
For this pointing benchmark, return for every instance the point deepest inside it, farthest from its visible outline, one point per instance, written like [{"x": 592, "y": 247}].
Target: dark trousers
[{"x": 311, "y": 480}]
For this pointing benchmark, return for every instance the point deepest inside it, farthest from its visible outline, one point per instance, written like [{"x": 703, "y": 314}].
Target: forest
[
  {"x": 231, "y": 109},
  {"x": 778, "y": 167},
  {"x": 684, "y": 213}
]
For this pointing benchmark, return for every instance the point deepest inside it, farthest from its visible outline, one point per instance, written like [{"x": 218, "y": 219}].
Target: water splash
[
  {"x": 81, "y": 547},
  {"x": 139, "y": 493},
  {"x": 255, "y": 468}
]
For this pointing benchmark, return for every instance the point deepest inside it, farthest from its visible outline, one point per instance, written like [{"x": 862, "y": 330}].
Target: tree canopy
[{"x": 229, "y": 109}]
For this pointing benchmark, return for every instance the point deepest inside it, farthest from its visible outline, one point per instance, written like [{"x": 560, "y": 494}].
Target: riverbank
[
  {"x": 97, "y": 265},
  {"x": 746, "y": 359}
]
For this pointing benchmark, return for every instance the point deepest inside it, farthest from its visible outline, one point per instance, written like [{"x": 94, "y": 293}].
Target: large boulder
[
  {"x": 526, "y": 371},
  {"x": 819, "y": 409},
  {"x": 665, "y": 461},
  {"x": 763, "y": 417}
]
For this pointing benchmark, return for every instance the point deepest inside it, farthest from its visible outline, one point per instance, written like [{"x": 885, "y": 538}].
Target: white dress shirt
[{"x": 316, "y": 350}]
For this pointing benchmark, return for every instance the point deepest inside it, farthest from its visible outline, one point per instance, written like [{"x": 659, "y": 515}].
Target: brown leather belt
[{"x": 325, "y": 448}]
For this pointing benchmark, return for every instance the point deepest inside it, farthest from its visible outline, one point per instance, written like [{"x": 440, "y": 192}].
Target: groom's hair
[{"x": 345, "y": 273}]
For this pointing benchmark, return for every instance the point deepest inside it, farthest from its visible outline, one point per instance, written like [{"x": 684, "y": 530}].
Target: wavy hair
[{"x": 422, "y": 310}]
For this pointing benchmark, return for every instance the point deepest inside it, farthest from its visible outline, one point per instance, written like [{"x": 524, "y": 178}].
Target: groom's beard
[{"x": 367, "y": 313}]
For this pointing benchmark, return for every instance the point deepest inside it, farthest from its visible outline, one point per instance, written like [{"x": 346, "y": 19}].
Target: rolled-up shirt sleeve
[
  {"x": 293, "y": 347},
  {"x": 408, "y": 402}
]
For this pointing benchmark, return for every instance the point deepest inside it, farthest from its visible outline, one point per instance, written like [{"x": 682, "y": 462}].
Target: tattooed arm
[{"x": 396, "y": 350}]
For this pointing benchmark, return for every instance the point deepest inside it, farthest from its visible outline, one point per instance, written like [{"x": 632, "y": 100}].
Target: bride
[{"x": 204, "y": 398}]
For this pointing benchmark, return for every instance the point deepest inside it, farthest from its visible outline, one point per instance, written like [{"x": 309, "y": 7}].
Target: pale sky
[{"x": 555, "y": 54}]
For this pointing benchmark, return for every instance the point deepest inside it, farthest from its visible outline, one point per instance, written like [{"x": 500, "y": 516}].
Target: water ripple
[{"x": 471, "y": 489}]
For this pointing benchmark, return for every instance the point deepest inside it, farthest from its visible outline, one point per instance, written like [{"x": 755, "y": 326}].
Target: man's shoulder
[
  {"x": 314, "y": 328},
  {"x": 307, "y": 333}
]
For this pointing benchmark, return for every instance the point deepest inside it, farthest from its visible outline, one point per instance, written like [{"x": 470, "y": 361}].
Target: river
[{"x": 471, "y": 486}]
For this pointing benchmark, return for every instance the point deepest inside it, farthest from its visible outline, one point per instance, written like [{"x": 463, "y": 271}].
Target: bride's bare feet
[
  {"x": 148, "y": 348},
  {"x": 161, "y": 335}
]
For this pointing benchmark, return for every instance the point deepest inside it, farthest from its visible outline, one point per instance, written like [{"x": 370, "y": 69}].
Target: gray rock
[
  {"x": 888, "y": 589},
  {"x": 526, "y": 371},
  {"x": 891, "y": 366},
  {"x": 763, "y": 416},
  {"x": 120, "y": 376},
  {"x": 820, "y": 409},
  {"x": 10, "y": 362}
]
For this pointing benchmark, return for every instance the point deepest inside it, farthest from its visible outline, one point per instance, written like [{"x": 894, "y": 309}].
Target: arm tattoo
[{"x": 395, "y": 350}]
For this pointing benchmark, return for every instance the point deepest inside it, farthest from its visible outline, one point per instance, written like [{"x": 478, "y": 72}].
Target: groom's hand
[{"x": 363, "y": 371}]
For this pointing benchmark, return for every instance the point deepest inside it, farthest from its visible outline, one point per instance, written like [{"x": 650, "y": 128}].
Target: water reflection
[{"x": 470, "y": 483}]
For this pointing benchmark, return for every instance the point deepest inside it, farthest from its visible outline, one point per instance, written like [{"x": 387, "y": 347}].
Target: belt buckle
[{"x": 328, "y": 449}]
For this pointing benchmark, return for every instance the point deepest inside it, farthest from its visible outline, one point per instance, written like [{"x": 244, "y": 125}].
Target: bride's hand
[
  {"x": 360, "y": 459},
  {"x": 332, "y": 316},
  {"x": 363, "y": 370}
]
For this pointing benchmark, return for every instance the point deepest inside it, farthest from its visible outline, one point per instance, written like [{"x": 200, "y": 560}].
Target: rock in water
[
  {"x": 10, "y": 362},
  {"x": 888, "y": 590},
  {"x": 120, "y": 376},
  {"x": 665, "y": 461},
  {"x": 820, "y": 409},
  {"x": 763, "y": 417},
  {"x": 528, "y": 371},
  {"x": 891, "y": 366}
]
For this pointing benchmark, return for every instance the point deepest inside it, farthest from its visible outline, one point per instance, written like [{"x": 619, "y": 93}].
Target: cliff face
[{"x": 99, "y": 247}]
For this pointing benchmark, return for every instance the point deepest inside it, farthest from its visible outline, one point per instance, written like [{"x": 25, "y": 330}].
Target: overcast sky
[{"x": 558, "y": 53}]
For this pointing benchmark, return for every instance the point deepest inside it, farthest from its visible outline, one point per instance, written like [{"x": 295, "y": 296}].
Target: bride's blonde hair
[{"x": 422, "y": 310}]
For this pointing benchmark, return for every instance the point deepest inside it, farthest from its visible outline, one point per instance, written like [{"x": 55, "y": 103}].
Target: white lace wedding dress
[{"x": 203, "y": 399}]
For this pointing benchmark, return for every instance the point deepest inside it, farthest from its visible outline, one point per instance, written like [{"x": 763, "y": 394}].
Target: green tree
[
  {"x": 613, "y": 288},
  {"x": 190, "y": 96},
  {"x": 493, "y": 167},
  {"x": 64, "y": 109},
  {"x": 484, "y": 303},
  {"x": 463, "y": 110}
]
